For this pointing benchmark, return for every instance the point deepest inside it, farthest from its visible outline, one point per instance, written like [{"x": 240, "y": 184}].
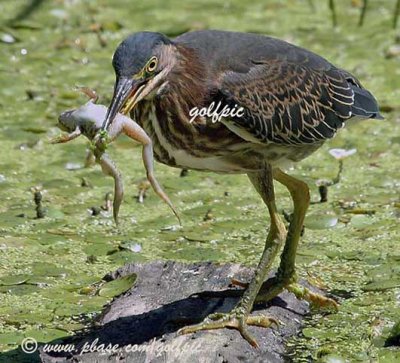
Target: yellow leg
[
  {"x": 286, "y": 277},
  {"x": 239, "y": 318}
]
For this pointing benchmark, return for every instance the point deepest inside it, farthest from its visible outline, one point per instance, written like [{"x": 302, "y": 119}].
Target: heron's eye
[{"x": 151, "y": 66}]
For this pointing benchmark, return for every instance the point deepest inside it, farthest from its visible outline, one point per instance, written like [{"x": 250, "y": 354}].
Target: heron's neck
[{"x": 188, "y": 83}]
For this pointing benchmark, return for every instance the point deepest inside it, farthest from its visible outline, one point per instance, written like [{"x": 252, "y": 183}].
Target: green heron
[{"x": 292, "y": 101}]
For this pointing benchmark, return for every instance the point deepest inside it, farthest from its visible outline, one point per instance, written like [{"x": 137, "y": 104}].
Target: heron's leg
[
  {"x": 286, "y": 277},
  {"x": 239, "y": 318},
  {"x": 109, "y": 168}
]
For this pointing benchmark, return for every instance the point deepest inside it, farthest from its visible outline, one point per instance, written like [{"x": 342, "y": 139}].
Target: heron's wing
[{"x": 291, "y": 102}]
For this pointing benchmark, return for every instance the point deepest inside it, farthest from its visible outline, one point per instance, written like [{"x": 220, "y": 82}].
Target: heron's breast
[{"x": 213, "y": 148}]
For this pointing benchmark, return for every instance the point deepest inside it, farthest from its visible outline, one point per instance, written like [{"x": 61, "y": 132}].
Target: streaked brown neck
[{"x": 187, "y": 80}]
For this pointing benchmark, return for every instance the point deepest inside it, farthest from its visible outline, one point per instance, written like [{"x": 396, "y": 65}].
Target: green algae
[
  {"x": 51, "y": 268},
  {"x": 118, "y": 286}
]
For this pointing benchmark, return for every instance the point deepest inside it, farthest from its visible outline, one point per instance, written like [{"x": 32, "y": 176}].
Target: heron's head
[{"x": 141, "y": 63}]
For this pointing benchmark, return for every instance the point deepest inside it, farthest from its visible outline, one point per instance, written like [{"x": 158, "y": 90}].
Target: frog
[{"x": 87, "y": 120}]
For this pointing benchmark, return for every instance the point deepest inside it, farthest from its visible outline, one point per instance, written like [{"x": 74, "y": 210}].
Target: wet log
[{"x": 170, "y": 295}]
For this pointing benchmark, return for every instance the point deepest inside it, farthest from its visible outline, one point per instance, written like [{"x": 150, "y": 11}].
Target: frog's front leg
[
  {"x": 135, "y": 132},
  {"x": 66, "y": 137},
  {"x": 91, "y": 93},
  {"x": 109, "y": 168}
]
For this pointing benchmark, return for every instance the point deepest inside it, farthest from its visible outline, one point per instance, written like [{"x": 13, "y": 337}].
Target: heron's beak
[{"x": 126, "y": 93}]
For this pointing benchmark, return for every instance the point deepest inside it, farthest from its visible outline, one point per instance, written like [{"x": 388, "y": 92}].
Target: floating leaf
[
  {"x": 318, "y": 221},
  {"x": 361, "y": 221},
  {"x": 70, "y": 327},
  {"x": 118, "y": 286},
  {"x": 317, "y": 333},
  {"x": 352, "y": 255},
  {"x": 98, "y": 249},
  {"x": 332, "y": 358},
  {"x": 112, "y": 26},
  {"x": 12, "y": 338},
  {"x": 87, "y": 290},
  {"x": 17, "y": 242},
  {"x": 13, "y": 280},
  {"x": 20, "y": 290},
  {"x": 55, "y": 213},
  {"x": 26, "y": 24},
  {"x": 35, "y": 129},
  {"x": 40, "y": 280},
  {"x": 69, "y": 310},
  {"x": 197, "y": 237},
  {"x": 123, "y": 257},
  {"x": 388, "y": 356},
  {"x": 62, "y": 231},
  {"x": 130, "y": 246},
  {"x": 48, "y": 269},
  {"x": 382, "y": 285},
  {"x": 27, "y": 317},
  {"x": 45, "y": 335}
]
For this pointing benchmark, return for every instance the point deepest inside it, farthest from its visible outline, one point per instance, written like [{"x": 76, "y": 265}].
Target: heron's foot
[
  {"x": 236, "y": 319},
  {"x": 275, "y": 286}
]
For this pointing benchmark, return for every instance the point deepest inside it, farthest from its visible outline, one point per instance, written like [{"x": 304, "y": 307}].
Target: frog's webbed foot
[
  {"x": 148, "y": 163},
  {"x": 143, "y": 186},
  {"x": 66, "y": 137},
  {"x": 109, "y": 168},
  {"x": 236, "y": 319},
  {"x": 160, "y": 192}
]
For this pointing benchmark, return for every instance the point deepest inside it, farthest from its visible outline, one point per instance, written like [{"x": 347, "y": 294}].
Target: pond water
[{"x": 51, "y": 269}]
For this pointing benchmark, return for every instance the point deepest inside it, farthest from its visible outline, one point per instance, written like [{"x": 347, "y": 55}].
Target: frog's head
[
  {"x": 88, "y": 113},
  {"x": 85, "y": 117},
  {"x": 67, "y": 121}
]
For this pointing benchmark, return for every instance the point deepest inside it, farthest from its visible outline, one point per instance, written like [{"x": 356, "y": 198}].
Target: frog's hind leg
[
  {"x": 90, "y": 159},
  {"x": 147, "y": 155},
  {"x": 109, "y": 168},
  {"x": 135, "y": 132}
]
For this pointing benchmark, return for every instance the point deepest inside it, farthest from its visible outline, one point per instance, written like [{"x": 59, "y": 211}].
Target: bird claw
[{"x": 235, "y": 319}]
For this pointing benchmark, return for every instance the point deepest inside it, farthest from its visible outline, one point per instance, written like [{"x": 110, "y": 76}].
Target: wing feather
[{"x": 288, "y": 103}]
